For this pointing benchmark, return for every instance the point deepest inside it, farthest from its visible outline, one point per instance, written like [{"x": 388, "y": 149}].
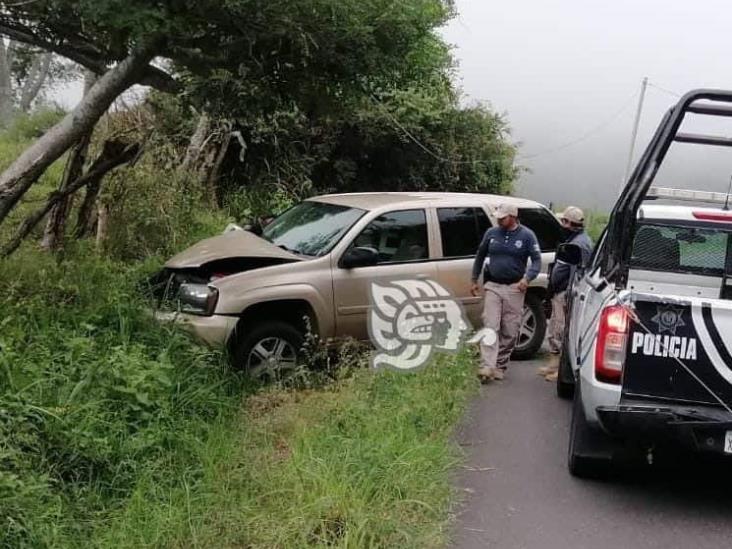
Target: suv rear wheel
[
  {"x": 533, "y": 328},
  {"x": 269, "y": 351}
]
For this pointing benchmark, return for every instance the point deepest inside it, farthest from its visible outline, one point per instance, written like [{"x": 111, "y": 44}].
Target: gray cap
[
  {"x": 574, "y": 215},
  {"x": 504, "y": 210}
]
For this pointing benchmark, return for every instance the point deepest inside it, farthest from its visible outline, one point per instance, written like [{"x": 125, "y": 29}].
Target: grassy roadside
[
  {"x": 363, "y": 463},
  {"x": 116, "y": 431}
]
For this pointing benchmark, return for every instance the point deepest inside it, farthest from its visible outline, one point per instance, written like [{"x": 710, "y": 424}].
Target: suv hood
[{"x": 234, "y": 244}]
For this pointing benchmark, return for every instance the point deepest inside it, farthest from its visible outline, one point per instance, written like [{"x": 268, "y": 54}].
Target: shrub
[{"x": 94, "y": 395}]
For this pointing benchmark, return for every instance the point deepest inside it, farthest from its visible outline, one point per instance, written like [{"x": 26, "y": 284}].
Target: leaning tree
[{"x": 314, "y": 53}]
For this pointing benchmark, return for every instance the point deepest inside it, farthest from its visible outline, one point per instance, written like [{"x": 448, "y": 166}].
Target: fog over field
[{"x": 567, "y": 73}]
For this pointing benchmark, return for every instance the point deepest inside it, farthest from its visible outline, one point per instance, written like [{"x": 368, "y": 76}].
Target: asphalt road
[{"x": 518, "y": 493}]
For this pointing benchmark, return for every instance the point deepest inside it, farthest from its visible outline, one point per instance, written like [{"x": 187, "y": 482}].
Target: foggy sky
[{"x": 559, "y": 69}]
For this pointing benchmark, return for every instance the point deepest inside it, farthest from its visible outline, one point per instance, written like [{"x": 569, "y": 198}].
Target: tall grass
[
  {"x": 364, "y": 463},
  {"x": 94, "y": 397}
]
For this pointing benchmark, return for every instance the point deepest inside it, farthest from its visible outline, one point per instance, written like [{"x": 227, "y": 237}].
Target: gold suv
[{"x": 253, "y": 293}]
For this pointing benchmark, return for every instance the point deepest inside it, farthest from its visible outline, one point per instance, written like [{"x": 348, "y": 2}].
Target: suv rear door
[
  {"x": 460, "y": 231},
  {"x": 548, "y": 232}
]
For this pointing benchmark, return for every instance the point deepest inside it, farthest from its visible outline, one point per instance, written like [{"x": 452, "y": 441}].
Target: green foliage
[
  {"x": 596, "y": 223},
  {"x": 94, "y": 396},
  {"x": 156, "y": 212},
  {"x": 26, "y": 127},
  {"x": 364, "y": 463}
]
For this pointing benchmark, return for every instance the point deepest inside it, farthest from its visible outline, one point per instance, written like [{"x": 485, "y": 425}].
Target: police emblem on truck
[{"x": 665, "y": 343}]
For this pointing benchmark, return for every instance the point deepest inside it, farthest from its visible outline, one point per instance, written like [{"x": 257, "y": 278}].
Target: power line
[
  {"x": 664, "y": 90},
  {"x": 586, "y": 135},
  {"x": 422, "y": 145}
]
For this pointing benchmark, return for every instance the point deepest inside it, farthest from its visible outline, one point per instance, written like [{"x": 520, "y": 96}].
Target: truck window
[
  {"x": 545, "y": 225},
  {"x": 690, "y": 250},
  {"x": 397, "y": 236},
  {"x": 461, "y": 230}
]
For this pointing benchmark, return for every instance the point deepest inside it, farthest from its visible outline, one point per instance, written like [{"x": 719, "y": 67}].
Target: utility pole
[{"x": 634, "y": 136}]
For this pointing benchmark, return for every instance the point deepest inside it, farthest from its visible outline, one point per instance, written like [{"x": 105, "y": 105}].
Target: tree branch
[
  {"x": 110, "y": 158},
  {"x": 83, "y": 55}
]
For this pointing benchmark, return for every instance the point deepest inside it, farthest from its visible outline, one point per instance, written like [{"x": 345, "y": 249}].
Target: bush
[{"x": 95, "y": 396}]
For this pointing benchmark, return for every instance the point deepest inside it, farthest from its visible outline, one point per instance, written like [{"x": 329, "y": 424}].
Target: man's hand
[
  {"x": 475, "y": 289},
  {"x": 523, "y": 284}
]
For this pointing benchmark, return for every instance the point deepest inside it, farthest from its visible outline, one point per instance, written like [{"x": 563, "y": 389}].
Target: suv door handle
[{"x": 422, "y": 276}]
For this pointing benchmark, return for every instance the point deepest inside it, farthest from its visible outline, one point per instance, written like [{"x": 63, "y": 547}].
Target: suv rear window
[
  {"x": 691, "y": 250},
  {"x": 545, "y": 225},
  {"x": 461, "y": 230}
]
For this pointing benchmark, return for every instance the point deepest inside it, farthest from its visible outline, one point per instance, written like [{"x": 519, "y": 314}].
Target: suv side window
[
  {"x": 397, "y": 236},
  {"x": 461, "y": 230},
  {"x": 546, "y": 227}
]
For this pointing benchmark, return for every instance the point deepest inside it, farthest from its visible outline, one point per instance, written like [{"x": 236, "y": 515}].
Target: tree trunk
[
  {"x": 56, "y": 225},
  {"x": 102, "y": 223},
  {"x": 198, "y": 140},
  {"x": 87, "y": 217},
  {"x": 35, "y": 79},
  {"x": 28, "y": 167},
  {"x": 113, "y": 154},
  {"x": 6, "y": 85},
  {"x": 213, "y": 176}
]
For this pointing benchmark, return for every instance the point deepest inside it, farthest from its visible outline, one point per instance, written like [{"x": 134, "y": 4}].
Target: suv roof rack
[{"x": 687, "y": 195}]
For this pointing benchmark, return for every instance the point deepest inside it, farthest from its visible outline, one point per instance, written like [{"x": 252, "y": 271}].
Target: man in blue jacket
[{"x": 507, "y": 249}]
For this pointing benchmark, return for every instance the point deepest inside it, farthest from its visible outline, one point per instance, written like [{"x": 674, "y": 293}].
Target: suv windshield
[{"x": 311, "y": 228}]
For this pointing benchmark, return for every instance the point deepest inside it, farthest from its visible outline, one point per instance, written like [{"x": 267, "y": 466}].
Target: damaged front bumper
[
  {"x": 696, "y": 428},
  {"x": 213, "y": 330}
]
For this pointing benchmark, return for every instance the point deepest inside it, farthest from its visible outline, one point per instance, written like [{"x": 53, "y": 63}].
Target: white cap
[
  {"x": 574, "y": 215},
  {"x": 504, "y": 210}
]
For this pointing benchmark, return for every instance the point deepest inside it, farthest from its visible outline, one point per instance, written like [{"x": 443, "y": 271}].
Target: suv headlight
[{"x": 197, "y": 299}]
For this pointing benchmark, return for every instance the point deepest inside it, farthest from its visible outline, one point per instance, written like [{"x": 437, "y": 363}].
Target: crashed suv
[
  {"x": 648, "y": 346},
  {"x": 312, "y": 266}
]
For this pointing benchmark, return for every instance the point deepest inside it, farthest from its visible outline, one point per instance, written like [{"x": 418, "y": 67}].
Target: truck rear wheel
[
  {"x": 590, "y": 450},
  {"x": 565, "y": 376}
]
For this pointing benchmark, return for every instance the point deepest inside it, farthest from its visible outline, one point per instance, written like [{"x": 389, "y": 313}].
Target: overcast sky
[{"x": 561, "y": 69}]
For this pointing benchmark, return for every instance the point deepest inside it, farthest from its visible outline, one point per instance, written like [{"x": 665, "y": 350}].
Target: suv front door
[{"x": 402, "y": 240}]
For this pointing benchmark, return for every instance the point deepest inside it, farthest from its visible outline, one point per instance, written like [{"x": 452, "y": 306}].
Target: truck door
[{"x": 588, "y": 297}]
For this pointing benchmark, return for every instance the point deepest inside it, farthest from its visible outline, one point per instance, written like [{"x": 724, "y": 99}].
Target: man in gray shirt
[
  {"x": 573, "y": 224},
  {"x": 506, "y": 278}
]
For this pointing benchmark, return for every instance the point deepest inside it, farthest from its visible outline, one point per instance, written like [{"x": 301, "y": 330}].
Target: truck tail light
[{"x": 611, "y": 339}]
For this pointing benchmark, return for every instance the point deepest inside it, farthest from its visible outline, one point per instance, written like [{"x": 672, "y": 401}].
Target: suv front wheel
[{"x": 269, "y": 351}]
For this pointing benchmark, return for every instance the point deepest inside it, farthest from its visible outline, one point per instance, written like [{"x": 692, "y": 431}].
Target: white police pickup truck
[{"x": 648, "y": 344}]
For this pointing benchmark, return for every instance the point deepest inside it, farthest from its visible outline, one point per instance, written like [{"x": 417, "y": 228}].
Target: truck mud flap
[{"x": 676, "y": 352}]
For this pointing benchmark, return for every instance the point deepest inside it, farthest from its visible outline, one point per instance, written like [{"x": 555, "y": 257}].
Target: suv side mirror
[
  {"x": 570, "y": 254},
  {"x": 359, "y": 257}
]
